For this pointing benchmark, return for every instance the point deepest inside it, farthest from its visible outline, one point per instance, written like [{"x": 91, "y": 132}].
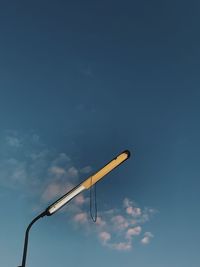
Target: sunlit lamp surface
[{"x": 88, "y": 182}]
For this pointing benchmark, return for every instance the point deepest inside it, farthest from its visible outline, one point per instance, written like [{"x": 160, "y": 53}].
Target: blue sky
[{"x": 80, "y": 81}]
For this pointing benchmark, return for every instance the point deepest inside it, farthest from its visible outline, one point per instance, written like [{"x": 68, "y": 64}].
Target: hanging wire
[{"x": 93, "y": 202}]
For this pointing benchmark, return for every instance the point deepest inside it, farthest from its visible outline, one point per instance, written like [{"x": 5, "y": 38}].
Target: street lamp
[{"x": 58, "y": 204}]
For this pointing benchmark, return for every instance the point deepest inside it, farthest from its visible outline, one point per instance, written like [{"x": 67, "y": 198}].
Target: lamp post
[{"x": 58, "y": 204}]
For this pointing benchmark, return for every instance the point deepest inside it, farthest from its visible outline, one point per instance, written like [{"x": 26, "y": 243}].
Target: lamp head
[{"x": 88, "y": 182}]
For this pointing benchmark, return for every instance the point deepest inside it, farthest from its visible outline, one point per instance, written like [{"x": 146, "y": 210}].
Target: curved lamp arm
[{"x": 27, "y": 235}]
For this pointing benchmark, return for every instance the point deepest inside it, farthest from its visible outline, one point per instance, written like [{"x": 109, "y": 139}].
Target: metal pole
[{"x": 26, "y": 238}]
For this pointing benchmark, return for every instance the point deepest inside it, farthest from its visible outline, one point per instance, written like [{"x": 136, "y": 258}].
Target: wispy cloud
[
  {"x": 131, "y": 208},
  {"x": 13, "y": 173},
  {"x": 104, "y": 237},
  {"x": 115, "y": 228},
  {"x": 147, "y": 238},
  {"x": 81, "y": 217},
  {"x": 86, "y": 169},
  {"x": 119, "y": 222},
  {"x": 39, "y": 171},
  {"x": 133, "y": 232},
  {"x": 121, "y": 246},
  {"x": 54, "y": 190},
  {"x": 13, "y": 141}
]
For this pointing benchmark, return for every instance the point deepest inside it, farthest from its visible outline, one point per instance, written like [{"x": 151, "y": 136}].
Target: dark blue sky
[{"x": 85, "y": 80}]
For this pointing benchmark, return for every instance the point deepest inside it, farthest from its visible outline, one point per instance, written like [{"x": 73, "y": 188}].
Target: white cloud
[
  {"x": 104, "y": 237},
  {"x": 72, "y": 172},
  {"x": 119, "y": 225},
  {"x": 62, "y": 158},
  {"x": 52, "y": 191},
  {"x": 80, "y": 200},
  {"x": 100, "y": 222},
  {"x": 127, "y": 202},
  {"x": 81, "y": 217},
  {"x": 122, "y": 246},
  {"x": 13, "y": 141},
  {"x": 39, "y": 155},
  {"x": 86, "y": 169},
  {"x": 56, "y": 190},
  {"x": 120, "y": 222},
  {"x": 133, "y": 211},
  {"x": 57, "y": 171},
  {"x": 131, "y": 208},
  {"x": 133, "y": 232},
  {"x": 147, "y": 238},
  {"x": 13, "y": 173}
]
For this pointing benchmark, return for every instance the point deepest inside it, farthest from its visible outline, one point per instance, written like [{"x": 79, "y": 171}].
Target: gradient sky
[{"x": 80, "y": 81}]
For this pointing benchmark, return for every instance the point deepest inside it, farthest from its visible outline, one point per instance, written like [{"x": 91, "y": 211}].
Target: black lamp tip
[{"x": 128, "y": 153}]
